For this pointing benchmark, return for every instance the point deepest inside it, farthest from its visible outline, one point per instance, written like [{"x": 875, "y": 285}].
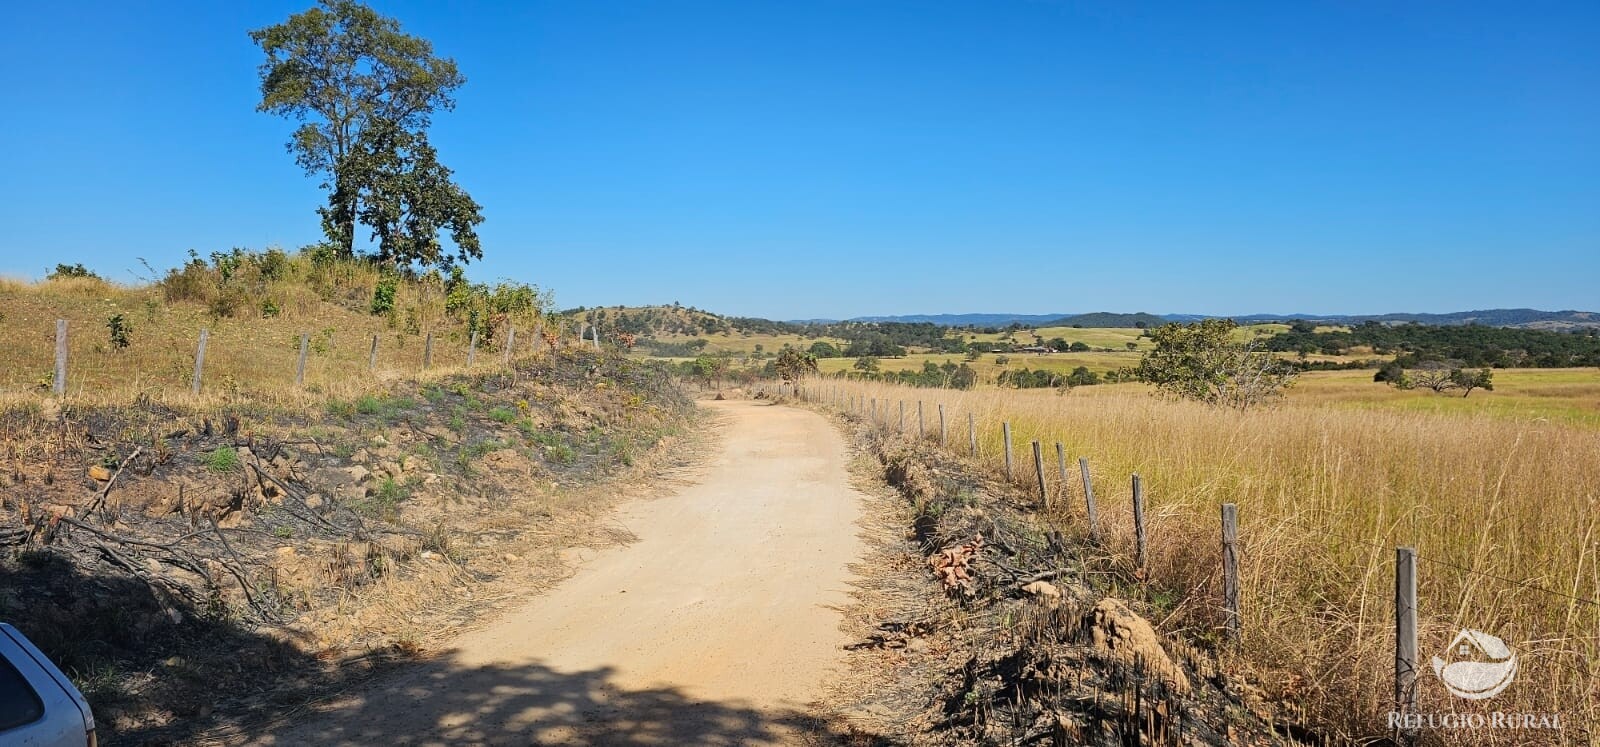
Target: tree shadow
[{"x": 441, "y": 702}]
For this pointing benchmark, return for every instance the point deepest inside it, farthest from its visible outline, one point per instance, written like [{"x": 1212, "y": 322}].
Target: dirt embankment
[{"x": 194, "y": 570}]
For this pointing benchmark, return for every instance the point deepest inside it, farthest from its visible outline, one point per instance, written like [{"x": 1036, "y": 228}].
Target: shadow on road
[{"x": 441, "y": 703}]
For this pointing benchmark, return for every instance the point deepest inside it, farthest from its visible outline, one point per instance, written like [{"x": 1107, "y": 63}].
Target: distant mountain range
[{"x": 1527, "y": 318}]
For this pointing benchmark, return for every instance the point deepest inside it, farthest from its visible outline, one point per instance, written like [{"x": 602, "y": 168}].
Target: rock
[
  {"x": 361, "y": 456},
  {"x": 344, "y": 482},
  {"x": 430, "y": 555},
  {"x": 100, "y": 472},
  {"x": 379, "y": 440},
  {"x": 173, "y": 661},
  {"x": 285, "y": 553},
  {"x": 511, "y": 557},
  {"x": 430, "y": 479},
  {"x": 387, "y": 453},
  {"x": 410, "y": 463},
  {"x": 315, "y": 501},
  {"x": 916, "y": 645},
  {"x": 1044, "y": 590},
  {"x": 391, "y": 469},
  {"x": 1119, "y": 633}
]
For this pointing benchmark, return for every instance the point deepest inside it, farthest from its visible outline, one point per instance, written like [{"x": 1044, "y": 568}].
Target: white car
[{"x": 39, "y": 707}]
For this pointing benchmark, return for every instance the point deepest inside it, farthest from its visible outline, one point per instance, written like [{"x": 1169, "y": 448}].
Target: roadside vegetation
[{"x": 1500, "y": 507}]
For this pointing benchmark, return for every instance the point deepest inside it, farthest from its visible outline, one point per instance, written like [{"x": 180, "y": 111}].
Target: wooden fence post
[
  {"x": 943, "y": 434},
  {"x": 199, "y": 361},
  {"x": 511, "y": 341},
  {"x": 372, "y": 357},
  {"x": 1038, "y": 469},
  {"x": 972, "y": 434},
  {"x": 300, "y": 366},
  {"x": 872, "y": 411},
  {"x": 1138, "y": 526},
  {"x": 1088, "y": 498},
  {"x": 1230, "y": 567},
  {"x": 1405, "y": 635},
  {"x": 472, "y": 348},
  {"x": 1005, "y": 430},
  {"x": 922, "y": 430},
  {"x": 59, "y": 385},
  {"x": 902, "y": 416},
  {"x": 1061, "y": 468},
  {"x": 427, "y": 351}
]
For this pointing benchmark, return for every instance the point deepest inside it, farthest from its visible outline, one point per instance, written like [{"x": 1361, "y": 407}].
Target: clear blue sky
[{"x": 801, "y": 159}]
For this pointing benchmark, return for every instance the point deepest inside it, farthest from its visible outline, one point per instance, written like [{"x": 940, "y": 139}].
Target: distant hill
[
  {"x": 1525, "y": 318},
  {"x": 1521, "y": 318},
  {"x": 1110, "y": 319},
  {"x": 963, "y": 320}
]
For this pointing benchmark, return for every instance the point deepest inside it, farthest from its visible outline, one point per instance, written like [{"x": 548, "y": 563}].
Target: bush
[
  {"x": 119, "y": 330},
  {"x": 383, "y": 295},
  {"x": 63, "y": 272}
]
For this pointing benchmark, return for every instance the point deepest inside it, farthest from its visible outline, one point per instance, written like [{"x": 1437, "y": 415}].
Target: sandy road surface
[{"x": 713, "y": 628}]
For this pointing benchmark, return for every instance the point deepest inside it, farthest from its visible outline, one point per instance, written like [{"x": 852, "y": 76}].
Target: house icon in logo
[{"x": 1476, "y": 666}]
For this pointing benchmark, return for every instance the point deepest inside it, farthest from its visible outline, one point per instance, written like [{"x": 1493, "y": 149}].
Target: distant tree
[
  {"x": 1001, "y": 360},
  {"x": 1433, "y": 375},
  {"x": 1131, "y": 345},
  {"x": 71, "y": 271},
  {"x": 1059, "y": 345},
  {"x": 1301, "y": 326},
  {"x": 791, "y": 364},
  {"x": 1203, "y": 362},
  {"x": 867, "y": 364},
  {"x": 1469, "y": 379},
  {"x": 824, "y": 349},
  {"x": 342, "y": 70},
  {"x": 1078, "y": 347},
  {"x": 1391, "y": 373},
  {"x": 1082, "y": 376}
]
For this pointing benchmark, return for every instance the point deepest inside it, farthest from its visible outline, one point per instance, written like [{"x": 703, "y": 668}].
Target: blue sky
[{"x": 837, "y": 158}]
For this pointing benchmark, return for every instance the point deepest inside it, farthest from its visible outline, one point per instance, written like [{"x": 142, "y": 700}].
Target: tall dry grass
[{"x": 1502, "y": 512}]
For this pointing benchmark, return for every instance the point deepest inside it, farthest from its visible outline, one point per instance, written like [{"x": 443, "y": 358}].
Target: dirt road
[{"x": 715, "y": 627}]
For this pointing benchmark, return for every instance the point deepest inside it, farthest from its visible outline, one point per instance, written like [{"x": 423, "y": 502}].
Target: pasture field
[
  {"x": 740, "y": 343},
  {"x": 1562, "y": 395},
  {"x": 1500, "y": 507},
  {"x": 987, "y": 369}
]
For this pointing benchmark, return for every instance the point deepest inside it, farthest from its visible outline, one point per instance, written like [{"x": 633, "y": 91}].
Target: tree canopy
[
  {"x": 364, "y": 93},
  {"x": 1203, "y": 362}
]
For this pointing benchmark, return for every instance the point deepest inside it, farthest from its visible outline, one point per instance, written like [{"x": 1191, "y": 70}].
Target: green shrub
[
  {"x": 119, "y": 329},
  {"x": 504, "y": 415},
  {"x": 222, "y": 459},
  {"x": 383, "y": 295}
]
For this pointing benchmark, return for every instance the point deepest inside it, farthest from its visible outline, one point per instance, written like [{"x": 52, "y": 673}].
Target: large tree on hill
[{"x": 364, "y": 93}]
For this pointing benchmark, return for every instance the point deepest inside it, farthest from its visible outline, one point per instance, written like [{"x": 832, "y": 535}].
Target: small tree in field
[
  {"x": 867, "y": 364},
  {"x": 791, "y": 364},
  {"x": 1468, "y": 380},
  {"x": 1204, "y": 362}
]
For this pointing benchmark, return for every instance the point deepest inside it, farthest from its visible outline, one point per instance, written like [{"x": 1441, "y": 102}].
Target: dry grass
[
  {"x": 1324, "y": 496},
  {"x": 248, "y": 355}
]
